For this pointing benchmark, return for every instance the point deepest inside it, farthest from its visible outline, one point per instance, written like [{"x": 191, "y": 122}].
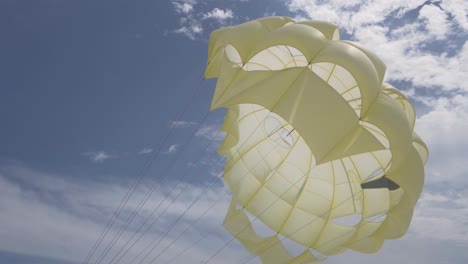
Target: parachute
[{"x": 319, "y": 149}]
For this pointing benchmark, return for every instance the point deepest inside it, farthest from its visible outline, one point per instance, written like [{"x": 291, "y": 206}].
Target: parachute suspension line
[
  {"x": 272, "y": 107},
  {"x": 125, "y": 199},
  {"x": 368, "y": 221},
  {"x": 326, "y": 242},
  {"x": 333, "y": 239},
  {"x": 156, "y": 184},
  {"x": 176, "y": 221},
  {"x": 276, "y": 130},
  {"x": 156, "y": 239},
  {"x": 197, "y": 199},
  {"x": 346, "y": 233},
  {"x": 248, "y": 138},
  {"x": 247, "y": 259},
  {"x": 257, "y": 190},
  {"x": 190, "y": 226},
  {"x": 193, "y": 224},
  {"x": 257, "y": 217},
  {"x": 184, "y": 250},
  {"x": 144, "y": 173},
  {"x": 300, "y": 228},
  {"x": 301, "y": 190},
  {"x": 185, "y": 186},
  {"x": 154, "y": 211},
  {"x": 259, "y": 124}
]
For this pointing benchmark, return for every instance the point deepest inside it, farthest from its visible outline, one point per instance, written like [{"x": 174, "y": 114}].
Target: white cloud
[
  {"x": 409, "y": 249},
  {"x": 98, "y": 156},
  {"x": 192, "y": 21},
  {"x": 458, "y": 9},
  {"x": 403, "y": 48},
  {"x": 80, "y": 209},
  {"x": 191, "y": 31},
  {"x": 172, "y": 149},
  {"x": 219, "y": 14},
  {"x": 436, "y": 21},
  {"x": 190, "y": 24},
  {"x": 181, "y": 124},
  {"x": 447, "y": 212},
  {"x": 210, "y": 132},
  {"x": 26, "y": 221},
  {"x": 214, "y": 164},
  {"x": 184, "y": 8},
  {"x": 146, "y": 151},
  {"x": 444, "y": 130}
]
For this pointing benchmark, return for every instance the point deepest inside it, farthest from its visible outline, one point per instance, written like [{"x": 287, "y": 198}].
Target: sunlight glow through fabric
[{"x": 318, "y": 147}]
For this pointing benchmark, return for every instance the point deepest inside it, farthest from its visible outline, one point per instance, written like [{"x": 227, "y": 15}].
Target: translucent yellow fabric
[{"x": 318, "y": 148}]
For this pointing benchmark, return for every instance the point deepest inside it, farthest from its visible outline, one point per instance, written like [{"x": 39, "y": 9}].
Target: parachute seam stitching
[
  {"x": 328, "y": 211},
  {"x": 263, "y": 184},
  {"x": 300, "y": 194}
]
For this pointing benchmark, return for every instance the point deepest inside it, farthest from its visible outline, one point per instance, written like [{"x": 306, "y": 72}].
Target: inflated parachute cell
[{"x": 318, "y": 148}]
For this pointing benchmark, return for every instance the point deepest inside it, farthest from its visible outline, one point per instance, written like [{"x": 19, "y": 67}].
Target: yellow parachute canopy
[{"x": 318, "y": 147}]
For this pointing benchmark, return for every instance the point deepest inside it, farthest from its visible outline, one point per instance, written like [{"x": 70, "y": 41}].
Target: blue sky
[{"x": 90, "y": 88}]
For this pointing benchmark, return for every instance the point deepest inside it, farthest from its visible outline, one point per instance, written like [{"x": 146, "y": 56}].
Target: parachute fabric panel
[{"x": 318, "y": 147}]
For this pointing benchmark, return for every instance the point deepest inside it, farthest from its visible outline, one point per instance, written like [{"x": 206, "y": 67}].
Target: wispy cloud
[
  {"x": 215, "y": 165},
  {"x": 183, "y": 7},
  {"x": 192, "y": 19},
  {"x": 210, "y": 132},
  {"x": 447, "y": 211},
  {"x": 181, "y": 124},
  {"x": 98, "y": 156},
  {"x": 190, "y": 25},
  {"x": 85, "y": 206},
  {"x": 219, "y": 14},
  {"x": 36, "y": 226},
  {"x": 146, "y": 151},
  {"x": 172, "y": 149},
  {"x": 191, "y": 31},
  {"x": 444, "y": 129}
]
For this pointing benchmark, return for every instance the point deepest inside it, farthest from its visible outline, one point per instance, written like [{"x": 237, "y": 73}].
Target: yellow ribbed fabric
[{"x": 318, "y": 148}]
